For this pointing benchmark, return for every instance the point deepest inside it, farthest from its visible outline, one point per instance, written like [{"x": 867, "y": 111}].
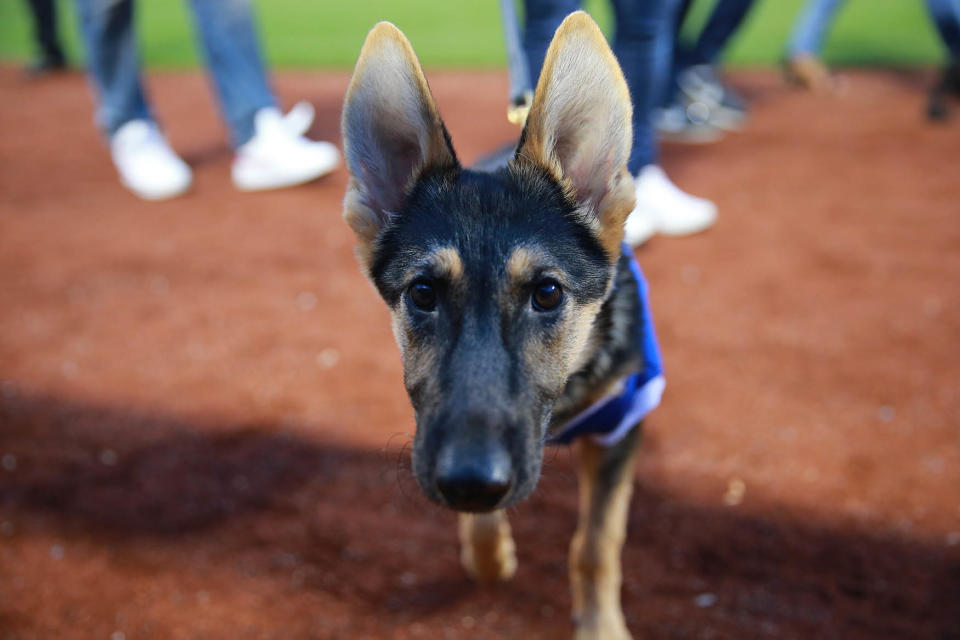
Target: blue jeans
[
  {"x": 726, "y": 18},
  {"x": 641, "y": 47},
  {"x": 811, "y": 27},
  {"x": 229, "y": 40},
  {"x": 946, "y": 17}
]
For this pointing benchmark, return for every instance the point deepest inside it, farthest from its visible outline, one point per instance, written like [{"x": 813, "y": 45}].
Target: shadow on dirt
[{"x": 351, "y": 524}]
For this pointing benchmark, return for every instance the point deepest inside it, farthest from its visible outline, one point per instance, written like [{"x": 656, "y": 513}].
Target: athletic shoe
[
  {"x": 277, "y": 157},
  {"x": 687, "y": 122},
  {"x": 663, "y": 208},
  {"x": 45, "y": 66},
  {"x": 299, "y": 118},
  {"x": 146, "y": 163},
  {"x": 701, "y": 83},
  {"x": 808, "y": 71}
]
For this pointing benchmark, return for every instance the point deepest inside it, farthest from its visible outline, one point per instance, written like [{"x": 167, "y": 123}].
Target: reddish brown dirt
[{"x": 203, "y": 432}]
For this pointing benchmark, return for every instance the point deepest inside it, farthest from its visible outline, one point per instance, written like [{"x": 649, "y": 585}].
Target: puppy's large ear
[
  {"x": 392, "y": 133},
  {"x": 580, "y": 127}
]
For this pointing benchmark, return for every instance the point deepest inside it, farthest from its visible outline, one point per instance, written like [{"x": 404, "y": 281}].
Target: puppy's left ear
[
  {"x": 580, "y": 127},
  {"x": 392, "y": 133}
]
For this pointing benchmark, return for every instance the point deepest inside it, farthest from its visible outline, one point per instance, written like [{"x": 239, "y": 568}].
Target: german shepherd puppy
[{"x": 511, "y": 302}]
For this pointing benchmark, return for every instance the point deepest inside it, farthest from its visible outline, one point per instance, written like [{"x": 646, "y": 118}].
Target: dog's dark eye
[
  {"x": 423, "y": 295},
  {"x": 547, "y": 296}
]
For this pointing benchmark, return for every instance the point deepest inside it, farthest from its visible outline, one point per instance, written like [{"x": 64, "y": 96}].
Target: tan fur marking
[
  {"x": 614, "y": 209},
  {"x": 447, "y": 263},
  {"x": 595, "y": 566},
  {"x": 520, "y": 265},
  {"x": 487, "y": 551}
]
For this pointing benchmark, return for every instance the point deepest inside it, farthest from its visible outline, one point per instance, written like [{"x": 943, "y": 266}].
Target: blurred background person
[
  {"x": 698, "y": 103},
  {"x": 50, "y": 55},
  {"x": 270, "y": 150},
  {"x": 946, "y": 17},
  {"x": 805, "y": 67},
  {"x": 643, "y": 45}
]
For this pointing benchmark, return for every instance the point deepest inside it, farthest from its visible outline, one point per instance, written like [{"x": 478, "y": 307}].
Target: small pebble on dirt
[
  {"x": 705, "y": 600},
  {"x": 408, "y": 579},
  {"x": 953, "y": 538},
  {"x": 932, "y": 306},
  {"x": 735, "y": 490},
  {"x": 886, "y": 413},
  {"x": 118, "y": 635},
  {"x": 307, "y": 300},
  {"x": 9, "y": 462},
  {"x": 690, "y": 274},
  {"x": 328, "y": 358},
  {"x": 57, "y": 552},
  {"x": 108, "y": 457},
  {"x": 159, "y": 285}
]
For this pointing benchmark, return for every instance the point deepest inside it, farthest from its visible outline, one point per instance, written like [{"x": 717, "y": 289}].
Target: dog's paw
[{"x": 487, "y": 551}]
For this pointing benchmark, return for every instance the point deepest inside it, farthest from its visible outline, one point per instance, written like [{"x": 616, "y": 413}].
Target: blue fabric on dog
[{"x": 610, "y": 419}]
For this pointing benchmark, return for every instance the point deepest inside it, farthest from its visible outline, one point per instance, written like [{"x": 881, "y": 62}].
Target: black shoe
[
  {"x": 45, "y": 65},
  {"x": 702, "y": 84},
  {"x": 687, "y": 122},
  {"x": 938, "y": 107}
]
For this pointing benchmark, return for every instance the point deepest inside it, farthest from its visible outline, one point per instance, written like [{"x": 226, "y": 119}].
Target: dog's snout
[{"x": 473, "y": 478}]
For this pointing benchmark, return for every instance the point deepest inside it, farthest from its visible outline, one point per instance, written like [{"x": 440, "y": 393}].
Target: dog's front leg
[
  {"x": 487, "y": 551},
  {"x": 606, "y": 482}
]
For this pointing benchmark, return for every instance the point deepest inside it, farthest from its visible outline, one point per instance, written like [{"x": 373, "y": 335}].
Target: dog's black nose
[{"x": 473, "y": 480}]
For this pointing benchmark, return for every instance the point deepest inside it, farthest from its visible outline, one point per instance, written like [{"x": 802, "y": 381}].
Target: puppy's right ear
[{"x": 392, "y": 133}]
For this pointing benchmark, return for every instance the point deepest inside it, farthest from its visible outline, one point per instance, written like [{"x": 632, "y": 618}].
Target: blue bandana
[{"x": 610, "y": 419}]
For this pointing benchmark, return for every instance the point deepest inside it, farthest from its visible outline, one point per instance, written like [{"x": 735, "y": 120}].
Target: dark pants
[
  {"x": 45, "y": 30},
  {"x": 946, "y": 17},
  {"x": 726, "y": 18},
  {"x": 639, "y": 48}
]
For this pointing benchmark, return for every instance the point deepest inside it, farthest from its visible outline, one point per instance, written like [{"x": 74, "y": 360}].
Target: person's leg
[
  {"x": 810, "y": 28},
  {"x": 644, "y": 46},
  {"x": 113, "y": 62},
  {"x": 271, "y": 151},
  {"x": 229, "y": 39},
  {"x": 946, "y": 17},
  {"x": 726, "y": 18},
  {"x": 541, "y": 19},
  {"x": 45, "y": 31},
  {"x": 645, "y": 53}
]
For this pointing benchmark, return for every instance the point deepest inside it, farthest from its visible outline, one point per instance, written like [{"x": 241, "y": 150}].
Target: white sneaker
[
  {"x": 277, "y": 157},
  {"x": 146, "y": 163},
  {"x": 299, "y": 118},
  {"x": 663, "y": 208}
]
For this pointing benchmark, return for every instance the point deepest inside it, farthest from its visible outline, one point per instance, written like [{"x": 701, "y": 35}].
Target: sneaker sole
[
  {"x": 267, "y": 184},
  {"x": 705, "y": 135},
  {"x": 156, "y": 195},
  {"x": 690, "y": 230}
]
